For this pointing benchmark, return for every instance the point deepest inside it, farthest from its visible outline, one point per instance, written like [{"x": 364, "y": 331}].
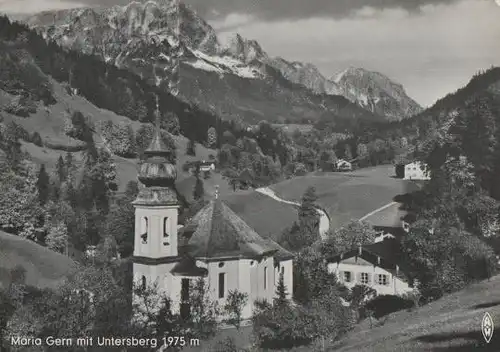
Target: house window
[
  {"x": 382, "y": 280},
  {"x": 347, "y": 276},
  {"x": 143, "y": 283},
  {"x": 365, "y": 278},
  {"x": 222, "y": 279},
  {"x": 265, "y": 278}
]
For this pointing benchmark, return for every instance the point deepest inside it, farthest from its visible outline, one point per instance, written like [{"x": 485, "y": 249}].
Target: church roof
[
  {"x": 157, "y": 146},
  {"x": 221, "y": 233},
  {"x": 187, "y": 267}
]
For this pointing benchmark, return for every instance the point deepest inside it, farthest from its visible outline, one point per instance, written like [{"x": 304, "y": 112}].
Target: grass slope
[
  {"x": 265, "y": 215},
  {"x": 450, "y": 324},
  {"x": 347, "y": 196},
  {"x": 44, "y": 268},
  {"x": 49, "y": 122}
]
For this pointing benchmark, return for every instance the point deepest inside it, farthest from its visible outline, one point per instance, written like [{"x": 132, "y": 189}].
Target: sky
[{"x": 432, "y": 47}]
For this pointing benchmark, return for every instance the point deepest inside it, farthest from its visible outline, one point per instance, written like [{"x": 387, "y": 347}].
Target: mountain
[
  {"x": 236, "y": 80},
  {"x": 376, "y": 93},
  {"x": 307, "y": 75}
]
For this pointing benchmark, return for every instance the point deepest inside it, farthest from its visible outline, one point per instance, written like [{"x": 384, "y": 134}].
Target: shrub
[{"x": 386, "y": 304}]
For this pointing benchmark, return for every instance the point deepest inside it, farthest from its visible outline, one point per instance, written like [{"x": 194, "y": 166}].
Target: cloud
[
  {"x": 32, "y": 6},
  {"x": 271, "y": 10},
  {"x": 431, "y": 53},
  {"x": 267, "y": 10}
]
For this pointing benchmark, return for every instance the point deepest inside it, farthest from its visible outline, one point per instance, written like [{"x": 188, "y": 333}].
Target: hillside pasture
[
  {"x": 450, "y": 324},
  {"x": 49, "y": 123},
  {"x": 44, "y": 268},
  {"x": 265, "y": 215},
  {"x": 347, "y": 196}
]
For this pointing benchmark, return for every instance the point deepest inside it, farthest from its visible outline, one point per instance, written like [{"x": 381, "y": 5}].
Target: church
[{"x": 216, "y": 244}]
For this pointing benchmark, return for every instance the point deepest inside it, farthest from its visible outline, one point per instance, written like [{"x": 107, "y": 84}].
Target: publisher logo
[{"x": 487, "y": 327}]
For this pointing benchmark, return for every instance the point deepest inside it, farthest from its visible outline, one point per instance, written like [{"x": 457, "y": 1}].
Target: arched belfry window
[
  {"x": 143, "y": 282},
  {"x": 165, "y": 232},
  {"x": 144, "y": 235}
]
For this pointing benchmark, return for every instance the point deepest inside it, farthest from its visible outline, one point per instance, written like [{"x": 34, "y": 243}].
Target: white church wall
[{"x": 245, "y": 286}]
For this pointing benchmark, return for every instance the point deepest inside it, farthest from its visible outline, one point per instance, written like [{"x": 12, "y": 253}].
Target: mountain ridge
[{"x": 120, "y": 35}]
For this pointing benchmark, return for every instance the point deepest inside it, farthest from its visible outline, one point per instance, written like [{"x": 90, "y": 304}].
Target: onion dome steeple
[{"x": 157, "y": 173}]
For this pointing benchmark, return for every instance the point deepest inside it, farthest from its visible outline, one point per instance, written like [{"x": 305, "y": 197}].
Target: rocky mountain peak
[
  {"x": 376, "y": 92},
  {"x": 243, "y": 49}
]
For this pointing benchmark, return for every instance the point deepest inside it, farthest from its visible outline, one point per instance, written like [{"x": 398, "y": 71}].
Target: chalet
[
  {"x": 205, "y": 166},
  {"x": 344, "y": 165},
  {"x": 215, "y": 245},
  {"x": 376, "y": 265},
  {"x": 416, "y": 171}
]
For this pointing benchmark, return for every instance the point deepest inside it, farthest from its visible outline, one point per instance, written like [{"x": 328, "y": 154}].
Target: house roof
[
  {"x": 221, "y": 233},
  {"x": 391, "y": 216},
  {"x": 389, "y": 251}
]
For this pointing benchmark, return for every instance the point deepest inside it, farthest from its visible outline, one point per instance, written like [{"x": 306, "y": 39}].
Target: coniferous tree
[
  {"x": 69, "y": 164},
  {"x": 281, "y": 291},
  {"x": 199, "y": 190},
  {"x": 43, "y": 185},
  {"x": 60, "y": 169}
]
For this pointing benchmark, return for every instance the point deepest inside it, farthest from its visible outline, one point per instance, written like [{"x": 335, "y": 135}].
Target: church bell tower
[{"x": 156, "y": 211}]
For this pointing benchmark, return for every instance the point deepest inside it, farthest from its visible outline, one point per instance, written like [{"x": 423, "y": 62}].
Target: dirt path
[{"x": 324, "y": 220}]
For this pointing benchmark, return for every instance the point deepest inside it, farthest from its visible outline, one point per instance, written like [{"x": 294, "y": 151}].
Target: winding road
[{"x": 324, "y": 220}]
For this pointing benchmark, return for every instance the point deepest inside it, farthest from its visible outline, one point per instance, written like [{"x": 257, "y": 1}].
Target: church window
[
  {"x": 221, "y": 264},
  {"x": 282, "y": 270},
  {"x": 265, "y": 278},
  {"x": 184, "y": 290},
  {"x": 165, "y": 227},
  {"x": 222, "y": 285},
  {"x": 143, "y": 283},
  {"x": 144, "y": 235}
]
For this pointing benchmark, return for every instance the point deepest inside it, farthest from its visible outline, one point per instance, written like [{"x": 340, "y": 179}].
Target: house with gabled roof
[
  {"x": 215, "y": 245},
  {"x": 377, "y": 265}
]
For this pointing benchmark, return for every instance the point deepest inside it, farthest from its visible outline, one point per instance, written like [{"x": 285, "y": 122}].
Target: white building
[
  {"x": 344, "y": 165},
  {"x": 216, "y": 245},
  {"x": 416, "y": 171},
  {"x": 373, "y": 265},
  {"x": 207, "y": 166}
]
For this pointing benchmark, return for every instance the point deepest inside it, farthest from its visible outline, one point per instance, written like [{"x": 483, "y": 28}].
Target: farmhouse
[
  {"x": 204, "y": 166},
  {"x": 344, "y": 165},
  {"x": 376, "y": 265},
  {"x": 215, "y": 245},
  {"x": 416, "y": 171}
]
